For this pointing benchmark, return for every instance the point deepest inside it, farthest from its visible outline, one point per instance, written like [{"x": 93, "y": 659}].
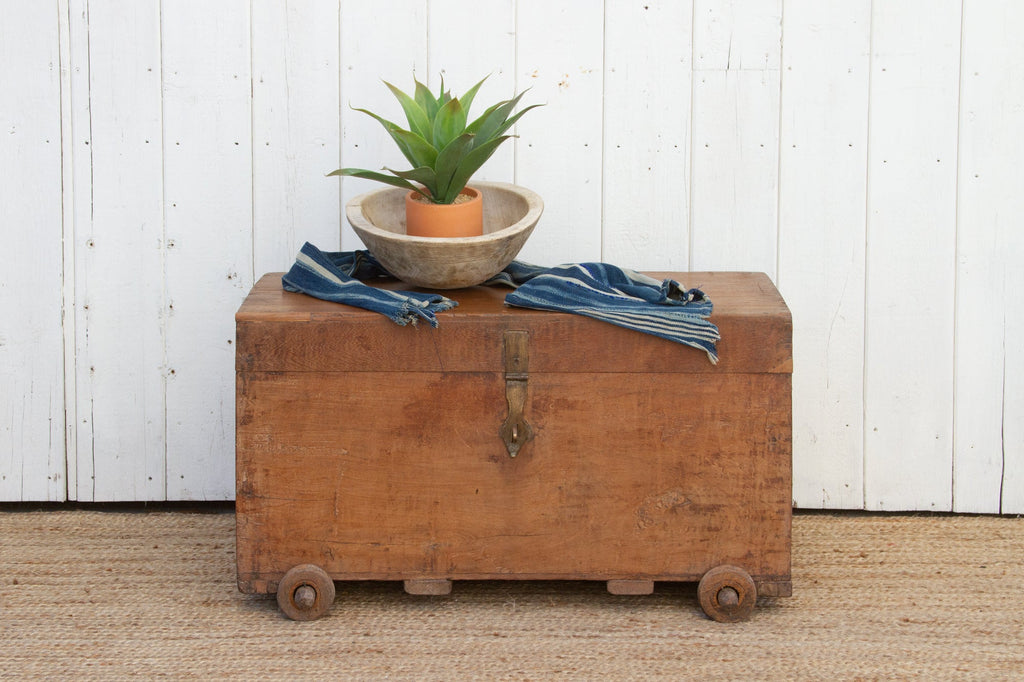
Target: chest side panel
[{"x": 388, "y": 476}]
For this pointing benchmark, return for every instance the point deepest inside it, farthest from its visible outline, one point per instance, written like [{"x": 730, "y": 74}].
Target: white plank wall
[
  {"x": 989, "y": 401},
  {"x": 295, "y": 140},
  {"x": 208, "y": 222},
  {"x": 380, "y": 41},
  {"x": 911, "y": 260},
  {"x": 486, "y": 46},
  {"x": 647, "y": 95},
  {"x": 32, "y": 454},
  {"x": 560, "y": 57},
  {"x": 119, "y": 254},
  {"x": 734, "y": 184},
  {"x": 157, "y": 157},
  {"x": 823, "y": 146}
]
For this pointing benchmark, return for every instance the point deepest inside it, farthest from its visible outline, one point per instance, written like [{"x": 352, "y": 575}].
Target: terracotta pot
[{"x": 424, "y": 219}]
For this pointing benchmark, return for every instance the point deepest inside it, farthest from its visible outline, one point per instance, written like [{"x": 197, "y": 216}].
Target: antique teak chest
[{"x": 512, "y": 444}]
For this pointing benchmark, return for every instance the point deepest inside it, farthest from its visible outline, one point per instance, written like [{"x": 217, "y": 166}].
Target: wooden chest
[{"x": 512, "y": 444}]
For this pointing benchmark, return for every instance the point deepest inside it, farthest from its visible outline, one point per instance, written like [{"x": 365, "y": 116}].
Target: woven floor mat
[{"x": 144, "y": 595}]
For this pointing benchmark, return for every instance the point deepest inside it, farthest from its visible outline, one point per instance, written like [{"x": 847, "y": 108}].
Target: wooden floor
[{"x": 118, "y": 594}]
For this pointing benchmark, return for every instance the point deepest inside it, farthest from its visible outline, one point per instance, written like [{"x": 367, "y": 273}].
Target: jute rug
[{"x": 151, "y": 595}]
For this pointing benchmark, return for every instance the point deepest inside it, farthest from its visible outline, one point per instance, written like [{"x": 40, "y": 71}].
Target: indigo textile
[
  {"x": 334, "y": 276},
  {"x": 598, "y": 290}
]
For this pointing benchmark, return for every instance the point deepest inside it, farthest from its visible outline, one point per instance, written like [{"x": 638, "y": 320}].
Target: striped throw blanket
[{"x": 597, "y": 290}]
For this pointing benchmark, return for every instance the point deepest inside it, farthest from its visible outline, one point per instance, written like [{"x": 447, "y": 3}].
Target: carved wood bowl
[{"x": 510, "y": 214}]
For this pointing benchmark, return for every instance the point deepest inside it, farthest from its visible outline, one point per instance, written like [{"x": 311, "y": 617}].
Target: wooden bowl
[{"x": 510, "y": 214}]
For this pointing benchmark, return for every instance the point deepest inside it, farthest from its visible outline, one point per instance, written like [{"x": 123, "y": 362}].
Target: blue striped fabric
[
  {"x": 618, "y": 296},
  {"x": 598, "y": 290},
  {"x": 335, "y": 276}
]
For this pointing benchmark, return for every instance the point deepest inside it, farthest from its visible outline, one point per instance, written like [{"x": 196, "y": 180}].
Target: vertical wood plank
[
  {"x": 647, "y": 134},
  {"x": 823, "y": 183},
  {"x": 734, "y": 180},
  {"x": 486, "y": 44},
  {"x": 209, "y": 217},
  {"x": 78, "y": 210},
  {"x": 558, "y": 153},
  {"x": 380, "y": 41},
  {"x": 32, "y": 456},
  {"x": 295, "y": 130},
  {"x": 910, "y": 255},
  {"x": 69, "y": 144},
  {"x": 119, "y": 250},
  {"x": 1012, "y": 488},
  {"x": 989, "y": 315}
]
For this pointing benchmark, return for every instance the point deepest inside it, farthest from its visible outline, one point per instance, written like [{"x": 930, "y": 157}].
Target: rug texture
[{"x": 151, "y": 595}]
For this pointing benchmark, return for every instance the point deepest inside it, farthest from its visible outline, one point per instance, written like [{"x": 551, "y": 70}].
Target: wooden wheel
[
  {"x": 305, "y": 592},
  {"x": 727, "y": 594}
]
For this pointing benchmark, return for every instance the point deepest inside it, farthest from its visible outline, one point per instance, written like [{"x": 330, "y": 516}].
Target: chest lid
[{"x": 280, "y": 331}]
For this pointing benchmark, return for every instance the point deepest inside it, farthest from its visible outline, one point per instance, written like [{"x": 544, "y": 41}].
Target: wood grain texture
[
  {"x": 752, "y": 318},
  {"x": 509, "y": 215},
  {"x": 379, "y": 471}
]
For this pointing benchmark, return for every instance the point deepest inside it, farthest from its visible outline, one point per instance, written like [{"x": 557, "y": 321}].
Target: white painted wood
[
  {"x": 69, "y": 305},
  {"x": 32, "y": 457},
  {"x": 558, "y": 153},
  {"x": 734, "y": 178},
  {"x": 465, "y": 44},
  {"x": 1012, "y": 489},
  {"x": 209, "y": 226},
  {"x": 735, "y": 35},
  {"x": 646, "y": 140},
  {"x": 822, "y": 187},
  {"x": 119, "y": 250},
  {"x": 383, "y": 40},
  {"x": 76, "y": 127},
  {"x": 902, "y": 254},
  {"x": 295, "y": 110},
  {"x": 990, "y": 250},
  {"x": 911, "y": 240}
]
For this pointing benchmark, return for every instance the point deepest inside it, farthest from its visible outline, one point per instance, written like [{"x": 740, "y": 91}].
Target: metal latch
[{"x": 516, "y": 431}]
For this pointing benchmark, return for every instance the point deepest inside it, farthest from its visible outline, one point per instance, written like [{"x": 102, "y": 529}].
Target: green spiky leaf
[
  {"x": 449, "y": 124},
  {"x": 444, "y": 152},
  {"x": 511, "y": 122},
  {"x": 448, "y": 162},
  {"x": 490, "y": 121},
  {"x": 468, "y": 97},
  {"x": 419, "y": 121},
  {"x": 424, "y": 175},
  {"x": 427, "y": 102},
  {"x": 418, "y": 151},
  {"x": 471, "y": 164},
  {"x": 379, "y": 177}
]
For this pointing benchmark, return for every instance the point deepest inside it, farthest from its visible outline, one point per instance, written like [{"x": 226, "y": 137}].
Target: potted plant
[{"x": 445, "y": 150}]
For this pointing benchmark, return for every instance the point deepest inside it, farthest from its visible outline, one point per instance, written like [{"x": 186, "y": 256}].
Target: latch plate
[{"x": 516, "y": 431}]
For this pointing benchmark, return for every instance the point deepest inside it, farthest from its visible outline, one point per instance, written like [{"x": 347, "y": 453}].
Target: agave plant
[{"x": 444, "y": 151}]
